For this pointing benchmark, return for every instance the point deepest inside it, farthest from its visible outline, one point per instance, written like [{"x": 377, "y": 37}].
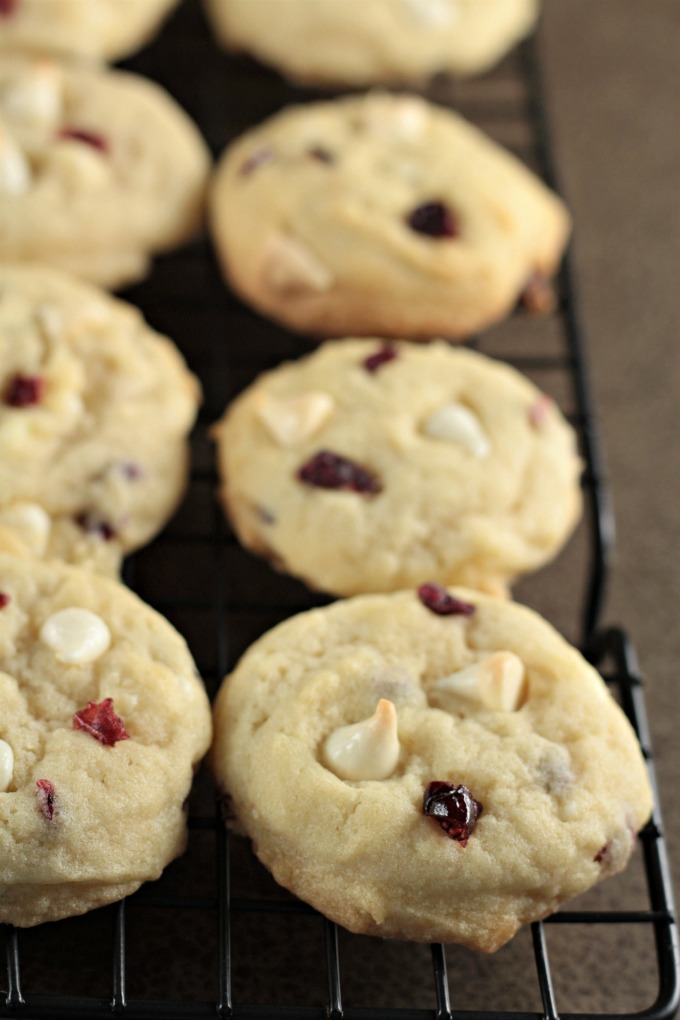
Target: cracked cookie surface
[
  {"x": 491, "y": 813},
  {"x": 103, "y": 721}
]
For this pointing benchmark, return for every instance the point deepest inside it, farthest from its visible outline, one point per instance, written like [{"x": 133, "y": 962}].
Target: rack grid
[{"x": 215, "y": 935}]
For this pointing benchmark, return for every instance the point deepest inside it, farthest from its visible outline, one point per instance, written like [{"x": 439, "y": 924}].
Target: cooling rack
[{"x": 215, "y": 935}]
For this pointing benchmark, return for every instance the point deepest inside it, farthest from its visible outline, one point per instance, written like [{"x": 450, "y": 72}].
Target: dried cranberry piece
[
  {"x": 131, "y": 471},
  {"x": 24, "y": 390},
  {"x": 264, "y": 154},
  {"x": 539, "y": 296},
  {"x": 95, "y": 525},
  {"x": 101, "y": 722},
  {"x": 4, "y": 600},
  {"x": 433, "y": 219},
  {"x": 91, "y": 138},
  {"x": 8, "y": 7},
  {"x": 388, "y": 352},
  {"x": 322, "y": 155},
  {"x": 453, "y": 808},
  {"x": 438, "y": 600},
  {"x": 538, "y": 411},
  {"x": 46, "y": 797},
  {"x": 601, "y": 854},
  {"x": 328, "y": 470}
]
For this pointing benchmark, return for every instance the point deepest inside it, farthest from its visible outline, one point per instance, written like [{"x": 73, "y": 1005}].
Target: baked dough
[
  {"x": 92, "y": 790},
  {"x": 381, "y": 215},
  {"x": 546, "y": 789},
  {"x": 95, "y": 29},
  {"x": 373, "y": 42},
  {"x": 95, "y": 410},
  {"x": 471, "y": 475},
  {"x": 99, "y": 170}
]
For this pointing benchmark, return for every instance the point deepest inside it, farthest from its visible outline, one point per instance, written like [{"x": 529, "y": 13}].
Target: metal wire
[{"x": 198, "y": 576}]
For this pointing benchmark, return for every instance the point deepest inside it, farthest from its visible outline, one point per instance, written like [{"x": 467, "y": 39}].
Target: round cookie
[
  {"x": 429, "y": 777},
  {"x": 95, "y": 409},
  {"x": 103, "y": 722},
  {"x": 381, "y": 215},
  {"x": 99, "y": 170},
  {"x": 336, "y": 42},
  {"x": 370, "y": 467},
  {"x": 95, "y": 29}
]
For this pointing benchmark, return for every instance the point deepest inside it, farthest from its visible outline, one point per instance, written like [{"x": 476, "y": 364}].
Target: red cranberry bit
[
  {"x": 601, "y": 854},
  {"x": 328, "y": 470},
  {"x": 433, "y": 219},
  {"x": 8, "y": 8},
  {"x": 539, "y": 297},
  {"x": 130, "y": 471},
  {"x": 438, "y": 600},
  {"x": 74, "y": 134},
  {"x": 453, "y": 808},
  {"x": 24, "y": 390},
  {"x": 321, "y": 155},
  {"x": 4, "y": 600},
  {"x": 260, "y": 157},
  {"x": 388, "y": 352},
  {"x": 538, "y": 412},
  {"x": 46, "y": 797},
  {"x": 95, "y": 525},
  {"x": 101, "y": 722}
]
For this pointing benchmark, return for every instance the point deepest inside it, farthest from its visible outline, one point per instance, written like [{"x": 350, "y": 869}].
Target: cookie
[
  {"x": 333, "y": 42},
  {"x": 369, "y": 467},
  {"x": 95, "y": 409},
  {"x": 99, "y": 170},
  {"x": 381, "y": 215},
  {"x": 95, "y": 29},
  {"x": 103, "y": 722},
  {"x": 434, "y": 766}
]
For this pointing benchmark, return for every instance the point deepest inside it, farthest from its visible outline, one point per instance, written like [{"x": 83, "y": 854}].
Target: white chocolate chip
[
  {"x": 34, "y": 99},
  {"x": 19, "y": 431},
  {"x": 78, "y": 166},
  {"x": 76, "y": 635},
  {"x": 31, "y": 524},
  {"x": 432, "y": 13},
  {"x": 50, "y": 322},
  {"x": 15, "y": 173},
  {"x": 388, "y": 116},
  {"x": 497, "y": 683},
  {"x": 292, "y": 420},
  {"x": 457, "y": 423},
  {"x": 6, "y": 765},
  {"x": 366, "y": 750},
  {"x": 291, "y": 268}
]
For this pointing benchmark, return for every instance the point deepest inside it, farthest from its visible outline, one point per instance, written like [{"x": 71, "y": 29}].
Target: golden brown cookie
[
  {"x": 432, "y": 765},
  {"x": 372, "y": 467},
  {"x": 103, "y": 722}
]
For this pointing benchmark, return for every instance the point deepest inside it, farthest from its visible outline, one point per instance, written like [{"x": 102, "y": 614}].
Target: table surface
[{"x": 613, "y": 71}]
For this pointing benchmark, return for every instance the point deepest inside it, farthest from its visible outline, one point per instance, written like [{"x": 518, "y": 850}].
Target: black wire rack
[{"x": 215, "y": 935}]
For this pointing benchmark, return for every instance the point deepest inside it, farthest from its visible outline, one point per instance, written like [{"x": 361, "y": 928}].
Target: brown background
[{"x": 613, "y": 70}]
